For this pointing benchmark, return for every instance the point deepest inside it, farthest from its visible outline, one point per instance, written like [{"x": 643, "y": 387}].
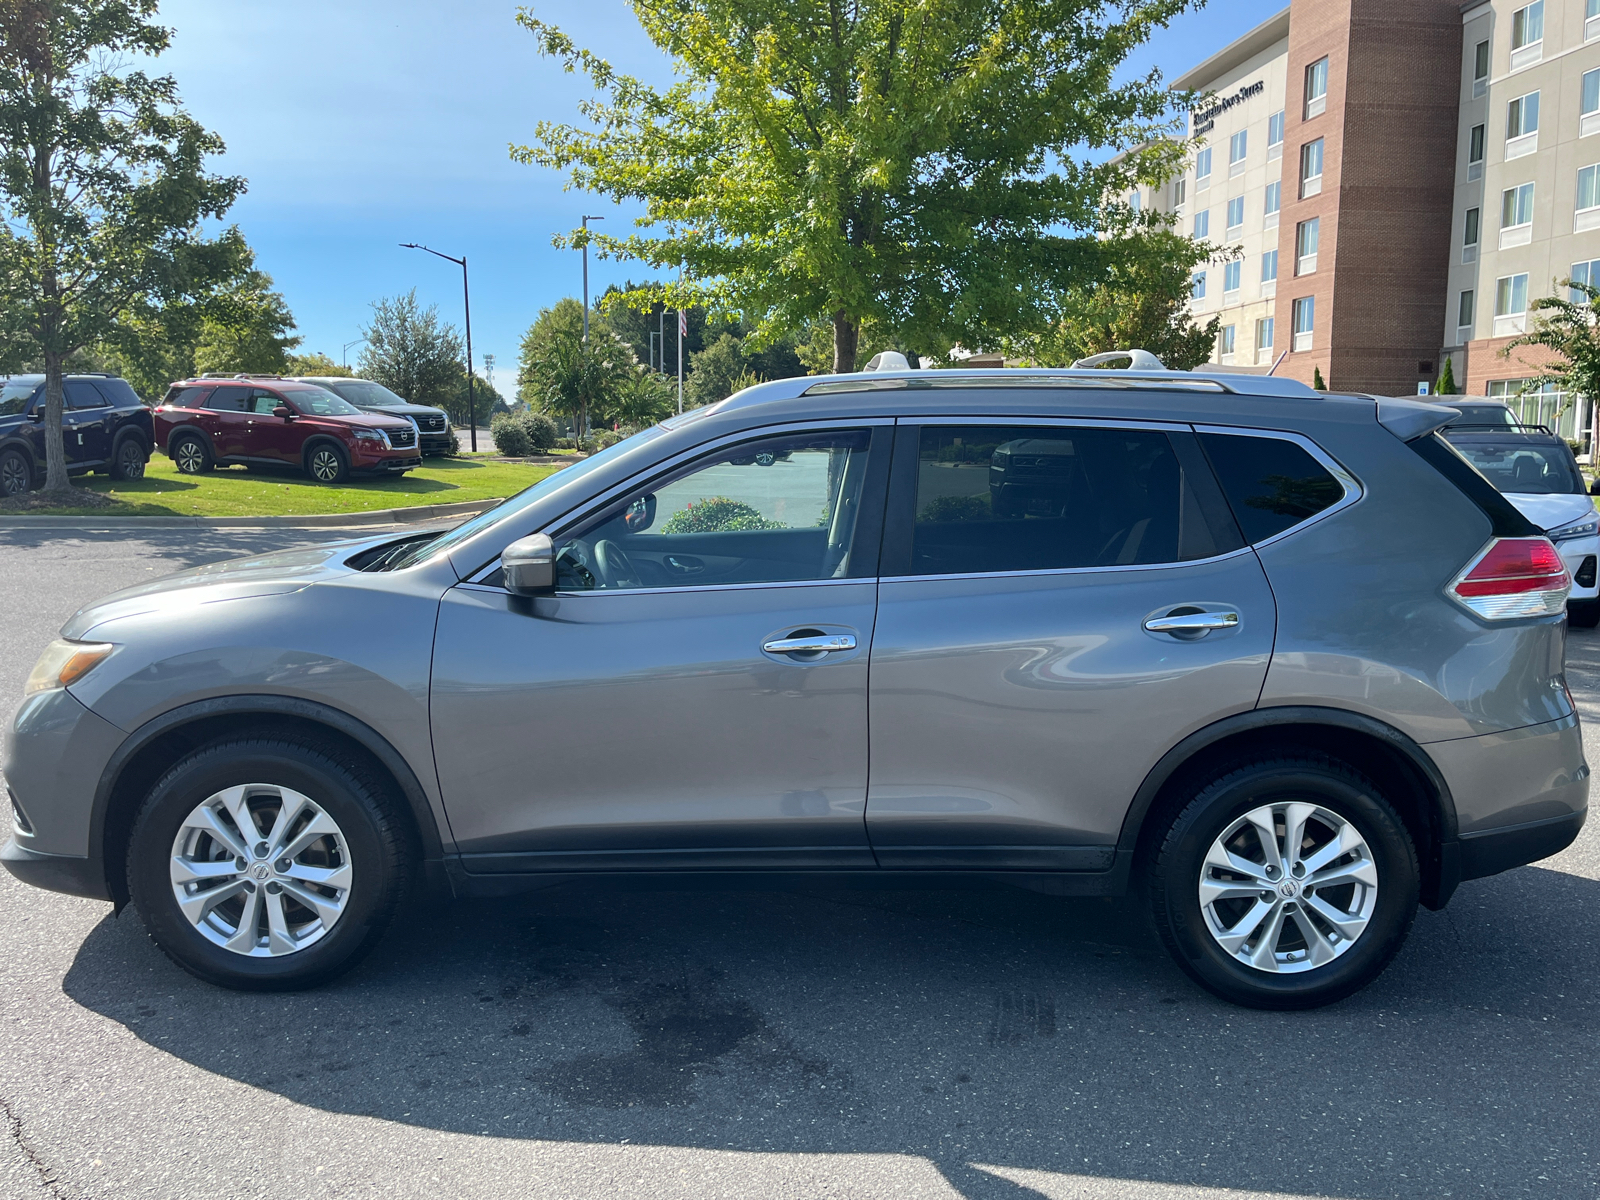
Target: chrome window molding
[
  {"x": 1353, "y": 491},
  {"x": 869, "y": 580}
]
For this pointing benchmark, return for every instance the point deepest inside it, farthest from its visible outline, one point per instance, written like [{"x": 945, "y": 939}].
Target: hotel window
[
  {"x": 1588, "y": 214},
  {"x": 1275, "y": 132},
  {"x": 1198, "y": 285},
  {"x": 1464, "y": 310},
  {"x": 1589, "y": 121},
  {"x": 1510, "y": 304},
  {"x": 1305, "y": 246},
  {"x": 1274, "y": 203},
  {"x": 1202, "y": 168},
  {"x": 1475, "y": 147},
  {"x": 1591, "y": 21},
  {"x": 1225, "y": 344},
  {"x": 1180, "y": 192},
  {"x": 1522, "y": 125},
  {"x": 1202, "y": 223},
  {"x": 1469, "y": 238},
  {"x": 1311, "y": 168},
  {"x": 1480, "y": 70},
  {"x": 1231, "y": 275},
  {"x": 1527, "y": 35},
  {"x": 1263, "y": 339},
  {"x": 1516, "y": 216},
  {"x": 1316, "y": 88},
  {"x": 1134, "y": 201},
  {"x": 1305, "y": 317},
  {"x": 1587, "y": 273},
  {"x": 1235, "y": 214},
  {"x": 1269, "y": 267},
  {"x": 1238, "y": 148}
]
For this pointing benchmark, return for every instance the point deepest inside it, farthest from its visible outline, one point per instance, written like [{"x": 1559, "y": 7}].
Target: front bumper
[
  {"x": 383, "y": 463},
  {"x": 438, "y": 443},
  {"x": 55, "y": 872},
  {"x": 1580, "y": 556}
]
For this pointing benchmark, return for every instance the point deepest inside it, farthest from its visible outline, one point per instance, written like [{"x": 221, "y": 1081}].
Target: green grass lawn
[{"x": 236, "y": 492}]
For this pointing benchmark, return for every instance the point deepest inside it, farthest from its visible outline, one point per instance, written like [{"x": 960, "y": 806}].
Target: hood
[
  {"x": 400, "y": 410},
  {"x": 262, "y": 575},
  {"x": 1549, "y": 511},
  {"x": 366, "y": 420}
]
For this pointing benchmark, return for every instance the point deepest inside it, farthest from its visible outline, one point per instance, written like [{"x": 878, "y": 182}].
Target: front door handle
[
  {"x": 1193, "y": 622},
  {"x": 823, "y": 644}
]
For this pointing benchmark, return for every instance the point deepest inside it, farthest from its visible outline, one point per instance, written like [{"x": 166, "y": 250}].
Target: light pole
[
  {"x": 466, "y": 296},
  {"x": 344, "y": 351},
  {"x": 586, "y": 221}
]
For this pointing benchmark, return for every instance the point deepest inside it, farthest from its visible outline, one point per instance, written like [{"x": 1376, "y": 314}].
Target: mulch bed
[{"x": 44, "y": 503}]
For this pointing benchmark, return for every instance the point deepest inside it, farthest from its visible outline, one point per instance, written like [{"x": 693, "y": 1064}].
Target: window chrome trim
[
  {"x": 1353, "y": 490},
  {"x": 868, "y": 580}
]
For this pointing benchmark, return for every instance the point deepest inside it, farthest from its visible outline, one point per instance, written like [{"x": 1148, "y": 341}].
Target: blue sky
[{"x": 361, "y": 124}]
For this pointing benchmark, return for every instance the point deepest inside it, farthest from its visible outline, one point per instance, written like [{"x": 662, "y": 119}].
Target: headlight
[
  {"x": 374, "y": 436},
  {"x": 63, "y": 663},
  {"x": 1582, "y": 527}
]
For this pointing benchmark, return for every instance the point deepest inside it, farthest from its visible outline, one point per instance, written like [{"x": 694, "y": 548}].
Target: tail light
[{"x": 1513, "y": 578}]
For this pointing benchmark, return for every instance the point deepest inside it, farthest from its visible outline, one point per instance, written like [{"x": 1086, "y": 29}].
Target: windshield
[
  {"x": 319, "y": 402},
  {"x": 1524, "y": 467},
  {"x": 14, "y": 396},
  {"x": 364, "y": 391},
  {"x": 510, "y": 508},
  {"x": 1483, "y": 414}
]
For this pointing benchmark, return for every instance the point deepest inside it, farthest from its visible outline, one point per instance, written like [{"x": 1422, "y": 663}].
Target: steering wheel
[{"x": 614, "y": 566}]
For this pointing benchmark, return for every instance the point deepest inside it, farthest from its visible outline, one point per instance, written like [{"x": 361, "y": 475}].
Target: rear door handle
[
  {"x": 1202, "y": 622},
  {"x": 824, "y": 643}
]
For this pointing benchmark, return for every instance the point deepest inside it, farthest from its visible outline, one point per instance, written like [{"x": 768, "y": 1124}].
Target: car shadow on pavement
[{"x": 974, "y": 1029}]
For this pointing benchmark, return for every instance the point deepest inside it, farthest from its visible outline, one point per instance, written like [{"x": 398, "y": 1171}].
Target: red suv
[{"x": 267, "y": 421}]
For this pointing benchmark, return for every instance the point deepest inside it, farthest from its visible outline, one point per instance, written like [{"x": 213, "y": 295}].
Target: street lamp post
[
  {"x": 466, "y": 296},
  {"x": 586, "y": 221},
  {"x": 344, "y": 351}
]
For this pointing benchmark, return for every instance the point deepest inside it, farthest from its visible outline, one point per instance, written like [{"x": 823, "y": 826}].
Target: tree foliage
[
  {"x": 316, "y": 364},
  {"x": 714, "y": 373},
  {"x": 246, "y": 327},
  {"x": 912, "y": 164},
  {"x": 1567, "y": 327},
  {"x": 411, "y": 352},
  {"x": 103, "y": 181},
  {"x": 1447, "y": 378}
]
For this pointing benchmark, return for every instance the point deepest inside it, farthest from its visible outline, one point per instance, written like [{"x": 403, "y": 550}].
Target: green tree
[
  {"x": 644, "y": 398},
  {"x": 316, "y": 364},
  {"x": 714, "y": 373},
  {"x": 561, "y": 322},
  {"x": 102, "y": 176},
  {"x": 246, "y": 328},
  {"x": 918, "y": 166},
  {"x": 578, "y": 379},
  {"x": 411, "y": 352},
  {"x": 1567, "y": 327},
  {"x": 1143, "y": 304},
  {"x": 1447, "y": 379},
  {"x": 1316, "y": 379}
]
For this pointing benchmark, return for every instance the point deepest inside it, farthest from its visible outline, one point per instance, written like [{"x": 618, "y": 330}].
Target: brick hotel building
[{"x": 1403, "y": 179}]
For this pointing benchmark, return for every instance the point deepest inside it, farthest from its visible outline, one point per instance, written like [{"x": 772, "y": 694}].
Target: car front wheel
[
  {"x": 16, "y": 473},
  {"x": 268, "y": 864},
  {"x": 1287, "y": 883},
  {"x": 327, "y": 464}
]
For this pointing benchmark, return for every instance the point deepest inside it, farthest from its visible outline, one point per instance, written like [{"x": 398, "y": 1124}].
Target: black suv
[
  {"x": 104, "y": 427},
  {"x": 434, "y": 435}
]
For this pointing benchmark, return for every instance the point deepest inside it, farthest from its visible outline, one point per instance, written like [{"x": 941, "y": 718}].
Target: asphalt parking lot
[{"x": 815, "y": 1043}]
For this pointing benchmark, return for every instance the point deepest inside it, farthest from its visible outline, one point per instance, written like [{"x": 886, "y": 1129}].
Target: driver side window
[{"x": 776, "y": 510}]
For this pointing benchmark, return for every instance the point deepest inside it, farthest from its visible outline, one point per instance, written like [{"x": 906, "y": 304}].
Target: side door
[
  {"x": 271, "y": 438},
  {"x": 1061, "y": 603},
  {"x": 695, "y": 693},
  {"x": 227, "y": 421},
  {"x": 86, "y": 426}
]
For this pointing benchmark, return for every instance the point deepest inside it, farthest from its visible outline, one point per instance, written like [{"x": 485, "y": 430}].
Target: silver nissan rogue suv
[{"x": 1282, "y": 662}]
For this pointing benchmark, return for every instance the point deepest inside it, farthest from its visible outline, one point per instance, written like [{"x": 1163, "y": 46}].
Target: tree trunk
[
  {"x": 846, "y": 335},
  {"x": 55, "y": 455}
]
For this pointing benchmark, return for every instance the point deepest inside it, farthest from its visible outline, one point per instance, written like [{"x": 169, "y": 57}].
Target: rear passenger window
[
  {"x": 81, "y": 394},
  {"x": 1032, "y": 498},
  {"x": 230, "y": 399},
  {"x": 187, "y": 397},
  {"x": 1271, "y": 483}
]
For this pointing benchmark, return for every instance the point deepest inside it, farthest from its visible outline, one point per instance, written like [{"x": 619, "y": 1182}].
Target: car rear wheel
[
  {"x": 191, "y": 454},
  {"x": 268, "y": 864},
  {"x": 1286, "y": 883},
  {"x": 326, "y": 463},
  {"x": 127, "y": 460},
  {"x": 16, "y": 473},
  {"x": 1583, "y": 614}
]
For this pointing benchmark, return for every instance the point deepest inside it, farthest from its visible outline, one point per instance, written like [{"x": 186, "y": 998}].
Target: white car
[{"x": 1535, "y": 470}]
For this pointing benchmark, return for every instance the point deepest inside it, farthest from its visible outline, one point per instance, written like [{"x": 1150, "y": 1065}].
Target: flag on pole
[{"x": 683, "y": 323}]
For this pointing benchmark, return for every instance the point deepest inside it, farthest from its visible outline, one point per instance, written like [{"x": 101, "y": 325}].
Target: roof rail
[
  {"x": 1514, "y": 426},
  {"x": 1138, "y": 360}
]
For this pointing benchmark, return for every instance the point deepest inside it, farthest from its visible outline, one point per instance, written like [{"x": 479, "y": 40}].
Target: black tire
[
  {"x": 1176, "y": 864},
  {"x": 190, "y": 454},
  {"x": 128, "y": 458},
  {"x": 16, "y": 473},
  {"x": 382, "y": 858},
  {"x": 327, "y": 463},
  {"x": 1583, "y": 614}
]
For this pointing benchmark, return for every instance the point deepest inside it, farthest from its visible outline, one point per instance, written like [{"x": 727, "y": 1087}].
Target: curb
[{"x": 415, "y": 514}]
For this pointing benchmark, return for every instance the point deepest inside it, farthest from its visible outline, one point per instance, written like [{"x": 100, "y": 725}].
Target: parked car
[
  {"x": 1283, "y": 660},
  {"x": 104, "y": 427},
  {"x": 1478, "y": 411},
  {"x": 264, "y": 421},
  {"x": 1536, "y": 471},
  {"x": 433, "y": 424}
]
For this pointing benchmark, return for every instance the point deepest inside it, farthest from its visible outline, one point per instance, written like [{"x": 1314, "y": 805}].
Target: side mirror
[
  {"x": 284, "y": 412},
  {"x": 1594, "y": 486},
  {"x": 529, "y": 565},
  {"x": 641, "y": 514}
]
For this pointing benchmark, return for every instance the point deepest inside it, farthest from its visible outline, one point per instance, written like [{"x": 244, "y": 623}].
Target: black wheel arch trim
[
  {"x": 319, "y": 439},
  {"x": 426, "y": 821},
  {"x": 126, "y": 432},
  {"x": 17, "y": 442},
  {"x": 179, "y": 431},
  {"x": 1439, "y": 883}
]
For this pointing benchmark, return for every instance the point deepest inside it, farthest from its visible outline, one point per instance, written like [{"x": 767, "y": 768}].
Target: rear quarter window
[{"x": 1271, "y": 483}]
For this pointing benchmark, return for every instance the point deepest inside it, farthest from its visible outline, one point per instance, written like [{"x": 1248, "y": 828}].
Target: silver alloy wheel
[
  {"x": 191, "y": 456},
  {"x": 130, "y": 460},
  {"x": 261, "y": 870},
  {"x": 325, "y": 464},
  {"x": 1288, "y": 887}
]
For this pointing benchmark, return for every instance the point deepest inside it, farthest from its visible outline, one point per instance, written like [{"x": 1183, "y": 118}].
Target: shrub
[
  {"x": 956, "y": 508},
  {"x": 718, "y": 514},
  {"x": 510, "y": 435},
  {"x": 541, "y": 430}
]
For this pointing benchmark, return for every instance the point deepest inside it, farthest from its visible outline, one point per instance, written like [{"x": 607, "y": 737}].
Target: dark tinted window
[
  {"x": 82, "y": 394},
  {"x": 230, "y": 399},
  {"x": 1523, "y": 465},
  {"x": 1271, "y": 483},
  {"x": 1019, "y": 498},
  {"x": 187, "y": 397}
]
